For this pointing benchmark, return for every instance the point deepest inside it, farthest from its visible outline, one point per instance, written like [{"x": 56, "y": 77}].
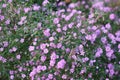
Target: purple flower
[
  {"x": 110, "y": 66},
  {"x": 112, "y": 72},
  {"x": 53, "y": 56},
  {"x": 108, "y": 26},
  {"x": 9, "y": 1},
  {"x": 111, "y": 36},
  {"x": 45, "y": 51},
  {"x": 0, "y": 28},
  {"x": 94, "y": 28},
  {"x": 56, "y": 20},
  {"x": 58, "y": 30},
  {"x": 42, "y": 46},
  {"x": 2, "y": 17},
  {"x": 4, "y": 5},
  {"x": 36, "y": 7},
  {"x": 61, "y": 64},
  {"x": 12, "y": 77},
  {"x": 5, "y": 43},
  {"x": 21, "y": 40},
  {"x": 14, "y": 49},
  {"x": 43, "y": 68},
  {"x": 50, "y": 76},
  {"x": 59, "y": 45},
  {"x": 109, "y": 54},
  {"x": 104, "y": 40},
  {"x": 18, "y": 56},
  {"x": 7, "y": 22},
  {"x": 88, "y": 37},
  {"x": 64, "y": 76},
  {"x": 46, "y": 32},
  {"x": 52, "y": 63},
  {"x": 51, "y": 38},
  {"x": 70, "y": 25},
  {"x": 26, "y": 10},
  {"x": 32, "y": 73},
  {"x": 23, "y": 75},
  {"x": 39, "y": 69},
  {"x": 85, "y": 59},
  {"x": 118, "y": 46},
  {"x": 107, "y": 48},
  {"x": 64, "y": 28},
  {"x": 112, "y": 16},
  {"x": 43, "y": 58},
  {"x": 45, "y": 2},
  {"x": 67, "y": 50},
  {"x": 31, "y": 48},
  {"x": 23, "y": 18},
  {"x": 99, "y": 52}
]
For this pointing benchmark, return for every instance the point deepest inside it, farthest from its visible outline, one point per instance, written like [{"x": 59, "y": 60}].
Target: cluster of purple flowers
[{"x": 80, "y": 41}]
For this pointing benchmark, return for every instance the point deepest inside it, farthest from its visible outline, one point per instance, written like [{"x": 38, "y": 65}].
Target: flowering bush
[{"x": 79, "y": 41}]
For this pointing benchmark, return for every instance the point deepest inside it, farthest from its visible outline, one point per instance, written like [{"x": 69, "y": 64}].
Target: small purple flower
[
  {"x": 2, "y": 17},
  {"x": 0, "y": 28},
  {"x": 53, "y": 56},
  {"x": 112, "y": 72},
  {"x": 23, "y": 75},
  {"x": 61, "y": 64},
  {"x": 110, "y": 66},
  {"x": 23, "y": 18},
  {"x": 118, "y": 46},
  {"x": 58, "y": 30},
  {"x": 94, "y": 28},
  {"x": 52, "y": 45},
  {"x": 42, "y": 46},
  {"x": 111, "y": 36},
  {"x": 64, "y": 76},
  {"x": 109, "y": 54},
  {"x": 4, "y": 5},
  {"x": 22, "y": 40},
  {"x": 107, "y": 48},
  {"x": 31, "y": 48},
  {"x": 112, "y": 16},
  {"x": 50, "y": 76},
  {"x": 70, "y": 25},
  {"x": 108, "y": 26},
  {"x": 36, "y": 7},
  {"x": 45, "y": 2},
  {"x": 12, "y": 77},
  {"x": 43, "y": 58},
  {"x": 43, "y": 68},
  {"x": 45, "y": 51},
  {"x": 26, "y": 10},
  {"x": 52, "y": 63},
  {"x": 18, "y": 56},
  {"x": 14, "y": 49},
  {"x": 64, "y": 28},
  {"x": 51, "y": 38},
  {"x": 9, "y": 1},
  {"x": 88, "y": 37},
  {"x": 67, "y": 50},
  {"x": 5, "y": 43},
  {"x": 103, "y": 39},
  {"x": 7, "y": 22},
  {"x": 59, "y": 45},
  {"x": 56, "y": 20},
  {"x": 46, "y": 32},
  {"x": 99, "y": 52}
]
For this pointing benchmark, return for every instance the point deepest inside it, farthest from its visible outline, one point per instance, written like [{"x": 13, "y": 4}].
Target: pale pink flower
[
  {"x": 31, "y": 48},
  {"x": 45, "y": 51},
  {"x": 18, "y": 56}
]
